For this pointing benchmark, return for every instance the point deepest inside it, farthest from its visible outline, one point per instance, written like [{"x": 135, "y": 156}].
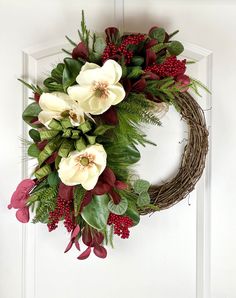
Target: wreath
[{"x": 86, "y": 122}]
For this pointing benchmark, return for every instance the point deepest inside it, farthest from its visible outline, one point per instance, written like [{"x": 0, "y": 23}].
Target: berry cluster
[
  {"x": 112, "y": 51},
  {"x": 63, "y": 209},
  {"x": 121, "y": 224},
  {"x": 170, "y": 68}
]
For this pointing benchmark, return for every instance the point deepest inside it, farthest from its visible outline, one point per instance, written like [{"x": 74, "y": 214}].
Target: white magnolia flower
[
  {"x": 83, "y": 167},
  {"x": 98, "y": 87},
  {"x": 57, "y": 105}
]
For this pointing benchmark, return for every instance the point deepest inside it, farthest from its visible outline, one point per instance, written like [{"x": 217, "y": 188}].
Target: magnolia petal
[
  {"x": 22, "y": 214},
  {"x": 45, "y": 117},
  {"x": 54, "y": 102},
  {"x": 97, "y": 105},
  {"x": 91, "y": 180},
  {"x": 81, "y": 175},
  {"x": 100, "y": 155},
  {"x": 113, "y": 69},
  {"x": 118, "y": 91},
  {"x": 80, "y": 93},
  {"x": 88, "y": 74}
]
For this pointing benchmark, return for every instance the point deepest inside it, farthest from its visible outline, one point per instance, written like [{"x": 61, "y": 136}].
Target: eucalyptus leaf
[
  {"x": 159, "y": 34},
  {"x": 143, "y": 199},
  {"x": 96, "y": 212},
  {"x": 99, "y": 45},
  {"x": 120, "y": 208},
  {"x": 53, "y": 179},
  {"x": 31, "y": 112},
  {"x": 175, "y": 48},
  {"x": 33, "y": 150},
  {"x": 141, "y": 185},
  {"x": 35, "y": 135}
]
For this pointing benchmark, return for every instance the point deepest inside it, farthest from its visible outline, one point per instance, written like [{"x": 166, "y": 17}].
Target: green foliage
[
  {"x": 158, "y": 34},
  {"x": 79, "y": 194},
  {"x": 33, "y": 150},
  {"x": 34, "y": 88},
  {"x": 46, "y": 202},
  {"x": 141, "y": 185},
  {"x": 120, "y": 208},
  {"x": 53, "y": 179},
  {"x": 138, "y": 109},
  {"x": 143, "y": 199},
  {"x": 84, "y": 33},
  {"x": 70, "y": 72},
  {"x": 96, "y": 213},
  {"x": 164, "y": 89},
  {"x": 54, "y": 82},
  {"x": 30, "y": 113},
  {"x": 195, "y": 85},
  {"x": 34, "y": 134},
  {"x": 175, "y": 48},
  {"x": 134, "y": 72}
]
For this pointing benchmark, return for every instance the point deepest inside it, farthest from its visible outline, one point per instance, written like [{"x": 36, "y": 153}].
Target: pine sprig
[{"x": 46, "y": 202}]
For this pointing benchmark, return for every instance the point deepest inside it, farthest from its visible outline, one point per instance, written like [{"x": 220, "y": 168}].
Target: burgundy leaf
[
  {"x": 100, "y": 251},
  {"x": 101, "y": 188},
  {"x": 110, "y": 116},
  {"x": 151, "y": 76},
  {"x": 87, "y": 237},
  {"x": 75, "y": 232},
  {"x": 115, "y": 196},
  {"x": 183, "y": 81},
  {"x": 86, "y": 200},
  {"x": 22, "y": 214},
  {"x": 65, "y": 192},
  {"x": 121, "y": 185},
  {"x": 52, "y": 158},
  {"x": 98, "y": 237},
  {"x": 85, "y": 254},
  {"x": 151, "y": 43},
  {"x": 80, "y": 51},
  {"x": 140, "y": 85},
  {"x": 150, "y": 57},
  {"x": 41, "y": 145},
  {"x": 69, "y": 246},
  {"x": 108, "y": 176},
  {"x": 35, "y": 121},
  {"x": 77, "y": 244},
  {"x": 36, "y": 96},
  {"x": 111, "y": 33}
]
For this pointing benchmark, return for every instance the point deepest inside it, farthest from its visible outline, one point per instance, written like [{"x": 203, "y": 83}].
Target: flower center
[
  {"x": 84, "y": 161},
  {"x": 101, "y": 89}
]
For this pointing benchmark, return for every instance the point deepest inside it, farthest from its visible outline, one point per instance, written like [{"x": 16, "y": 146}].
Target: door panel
[{"x": 177, "y": 253}]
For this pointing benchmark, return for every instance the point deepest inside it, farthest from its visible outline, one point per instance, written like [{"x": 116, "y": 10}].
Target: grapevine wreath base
[
  {"x": 86, "y": 122},
  {"x": 193, "y": 161}
]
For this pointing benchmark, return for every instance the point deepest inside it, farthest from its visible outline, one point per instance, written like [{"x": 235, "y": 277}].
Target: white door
[{"x": 187, "y": 251}]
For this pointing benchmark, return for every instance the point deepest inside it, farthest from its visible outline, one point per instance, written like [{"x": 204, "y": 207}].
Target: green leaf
[
  {"x": 57, "y": 72},
  {"x": 53, "y": 85},
  {"x": 66, "y": 147},
  {"x": 70, "y": 72},
  {"x": 159, "y": 34},
  {"x": 96, "y": 213},
  {"x": 79, "y": 193},
  {"x": 101, "y": 129},
  {"x": 120, "y": 208},
  {"x": 99, "y": 46},
  {"x": 175, "y": 48},
  {"x": 158, "y": 47},
  {"x": 143, "y": 199},
  {"x": 85, "y": 126},
  {"x": 53, "y": 179},
  {"x": 137, "y": 60},
  {"x": 42, "y": 172},
  {"x": 34, "y": 134},
  {"x": 134, "y": 72},
  {"x": 141, "y": 185},
  {"x": 31, "y": 112},
  {"x": 33, "y": 150},
  {"x": 132, "y": 212},
  {"x": 46, "y": 134}
]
